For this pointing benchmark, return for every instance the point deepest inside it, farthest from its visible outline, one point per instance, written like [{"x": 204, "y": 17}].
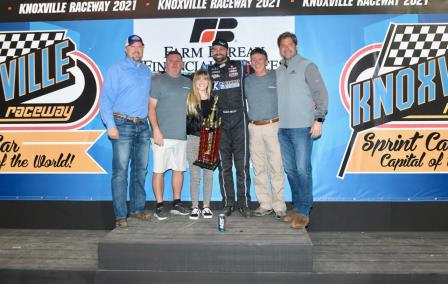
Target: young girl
[{"x": 198, "y": 108}]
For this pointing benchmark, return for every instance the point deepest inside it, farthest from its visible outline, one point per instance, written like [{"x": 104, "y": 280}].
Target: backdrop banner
[{"x": 384, "y": 63}]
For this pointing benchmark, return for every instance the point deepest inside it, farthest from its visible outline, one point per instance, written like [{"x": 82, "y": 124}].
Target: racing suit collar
[{"x": 225, "y": 63}]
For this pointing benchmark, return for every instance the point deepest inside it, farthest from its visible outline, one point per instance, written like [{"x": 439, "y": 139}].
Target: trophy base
[{"x": 206, "y": 165}]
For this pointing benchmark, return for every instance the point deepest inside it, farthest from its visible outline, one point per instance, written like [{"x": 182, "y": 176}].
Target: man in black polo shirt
[{"x": 227, "y": 76}]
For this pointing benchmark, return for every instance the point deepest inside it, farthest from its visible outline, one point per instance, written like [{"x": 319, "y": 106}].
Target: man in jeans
[
  {"x": 261, "y": 94},
  {"x": 302, "y": 106},
  {"x": 124, "y": 110},
  {"x": 168, "y": 117}
]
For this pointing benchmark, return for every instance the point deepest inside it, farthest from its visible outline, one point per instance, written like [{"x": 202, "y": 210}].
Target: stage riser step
[
  {"x": 260, "y": 244},
  {"x": 144, "y": 277},
  {"x": 204, "y": 257},
  {"x": 46, "y": 276}
]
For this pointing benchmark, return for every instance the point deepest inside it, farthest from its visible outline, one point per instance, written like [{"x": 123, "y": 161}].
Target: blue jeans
[
  {"x": 296, "y": 145},
  {"x": 132, "y": 147}
]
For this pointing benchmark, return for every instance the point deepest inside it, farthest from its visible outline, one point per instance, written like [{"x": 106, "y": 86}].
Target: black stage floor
[{"x": 255, "y": 250}]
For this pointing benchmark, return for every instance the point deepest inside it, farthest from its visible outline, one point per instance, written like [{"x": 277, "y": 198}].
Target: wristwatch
[{"x": 319, "y": 119}]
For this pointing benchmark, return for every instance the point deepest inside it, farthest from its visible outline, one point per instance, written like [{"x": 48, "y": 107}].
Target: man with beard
[
  {"x": 124, "y": 110},
  {"x": 227, "y": 76}
]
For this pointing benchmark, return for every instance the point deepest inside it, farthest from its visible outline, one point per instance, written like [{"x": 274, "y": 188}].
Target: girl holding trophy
[{"x": 199, "y": 107}]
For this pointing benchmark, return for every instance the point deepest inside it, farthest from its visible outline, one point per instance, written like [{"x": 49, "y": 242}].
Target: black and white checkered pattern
[
  {"x": 20, "y": 43},
  {"x": 412, "y": 44}
]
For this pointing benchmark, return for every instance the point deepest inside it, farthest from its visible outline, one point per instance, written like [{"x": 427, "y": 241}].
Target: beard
[
  {"x": 137, "y": 57},
  {"x": 219, "y": 58}
]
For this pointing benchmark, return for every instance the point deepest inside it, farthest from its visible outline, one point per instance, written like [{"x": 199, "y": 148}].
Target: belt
[
  {"x": 264, "y": 122},
  {"x": 129, "y": 118}
]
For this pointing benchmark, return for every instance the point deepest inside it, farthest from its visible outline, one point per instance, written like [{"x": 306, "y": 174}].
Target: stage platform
[
  {"x": 248, "y": 245},
  {"x": 255, "y": 250}
]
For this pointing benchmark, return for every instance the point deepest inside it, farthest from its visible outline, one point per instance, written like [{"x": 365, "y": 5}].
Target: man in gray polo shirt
[
  {"x": 302, "y": 106},
  {"x": 261, "y": 94},
  {"x": 167, "y": 114}
]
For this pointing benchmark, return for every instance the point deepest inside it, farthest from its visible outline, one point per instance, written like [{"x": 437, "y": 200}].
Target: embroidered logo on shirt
[
  {"x": 215, "y": 74},
  {"x": 226, "y": 85},
  {"x": 233, "y": 71}
]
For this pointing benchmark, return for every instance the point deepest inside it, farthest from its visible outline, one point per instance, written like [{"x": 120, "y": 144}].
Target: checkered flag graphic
[
  {"x": 409, "y": 44},
  {"x": 16, "y": 44}
]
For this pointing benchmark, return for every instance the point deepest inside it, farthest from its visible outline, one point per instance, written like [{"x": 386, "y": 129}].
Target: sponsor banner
[
  {"x": 48, "y": 152},
  {"x": 384, "y": 137},
  {"x": 194, "y": 37},
  {"x": 46, "y": 84},
  {"x": 400, "y": 151},
  {"x": 404, "y": 80},
  {"x": 33, "y": 10}
]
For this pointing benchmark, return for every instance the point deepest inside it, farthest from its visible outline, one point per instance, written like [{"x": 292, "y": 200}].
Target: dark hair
[
  {"x": 173, "y": 52},
  {"x": 258, "y": 50},
  {"x": 285, "y": 35}
]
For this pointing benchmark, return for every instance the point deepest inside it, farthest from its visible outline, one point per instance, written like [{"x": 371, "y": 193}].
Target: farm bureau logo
[
  {"x": 397, "y": 95},
  {"x": 207, "y": 30},
  {"x": 192, "y": 38},
  {"x": 46, "y": 82}
]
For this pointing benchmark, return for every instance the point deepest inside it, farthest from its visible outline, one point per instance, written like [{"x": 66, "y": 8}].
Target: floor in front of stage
[{"x": 72, "y": 256}]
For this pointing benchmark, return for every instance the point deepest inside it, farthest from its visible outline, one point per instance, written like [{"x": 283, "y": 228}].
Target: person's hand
[
  {"x": 158, "y": 137},
  {"x": 113, "y": 133},
  {"x": 316, "y": 129}
]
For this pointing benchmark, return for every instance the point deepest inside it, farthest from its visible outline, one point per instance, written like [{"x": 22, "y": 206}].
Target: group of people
[{"x": 268, "y": 116}]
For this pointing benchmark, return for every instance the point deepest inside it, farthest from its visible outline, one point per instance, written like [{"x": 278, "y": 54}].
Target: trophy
[{"x": 209, "y": 140}]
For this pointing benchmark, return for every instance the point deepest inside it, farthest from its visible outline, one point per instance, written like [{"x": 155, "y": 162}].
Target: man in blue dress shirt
[{"x": 124, "y": 110}]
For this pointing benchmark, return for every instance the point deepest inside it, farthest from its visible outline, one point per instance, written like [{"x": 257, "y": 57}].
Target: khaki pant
[{"x": 268, "y": 168}]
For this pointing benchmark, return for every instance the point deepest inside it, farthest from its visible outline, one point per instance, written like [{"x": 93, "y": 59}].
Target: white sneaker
[
  {"x": 195, "y": 213},
  {"x": 207, "y": 213}
]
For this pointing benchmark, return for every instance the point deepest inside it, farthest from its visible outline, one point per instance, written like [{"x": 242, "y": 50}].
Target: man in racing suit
[{"x": 227, "y": 77}]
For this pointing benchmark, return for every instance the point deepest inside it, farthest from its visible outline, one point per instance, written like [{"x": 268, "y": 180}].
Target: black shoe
[
  {"x": 245, "y": 212},
  {"x": 228, "y": 210},
  {"x": 161, "y": 214},
  {"x": 179, "y": 209}
]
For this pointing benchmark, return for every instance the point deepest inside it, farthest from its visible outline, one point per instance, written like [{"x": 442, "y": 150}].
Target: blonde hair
[{"x": 194, "y": 97}]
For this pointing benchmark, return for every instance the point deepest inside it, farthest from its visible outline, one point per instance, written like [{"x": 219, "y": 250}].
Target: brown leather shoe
[
  {"x": 142, "y": 216},
  {"x": 290, "y": 216},
  {"x": 121, "y": 223},
  {"x": 300, "y": 221}
]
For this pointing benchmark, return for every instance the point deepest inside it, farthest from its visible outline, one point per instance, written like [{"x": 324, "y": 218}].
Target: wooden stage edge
[
  {"x": 255, "y": 250},
  {"x": 326, "y": 216}
]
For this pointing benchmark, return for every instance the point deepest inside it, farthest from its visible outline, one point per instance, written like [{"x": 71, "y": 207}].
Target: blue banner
[{"x": 384, "y": 139}]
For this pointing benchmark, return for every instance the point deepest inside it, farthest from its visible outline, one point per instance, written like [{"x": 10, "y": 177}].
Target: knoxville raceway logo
[
  {"x": 47, "y": 89},
  {"x": 397, "y": 95}
]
